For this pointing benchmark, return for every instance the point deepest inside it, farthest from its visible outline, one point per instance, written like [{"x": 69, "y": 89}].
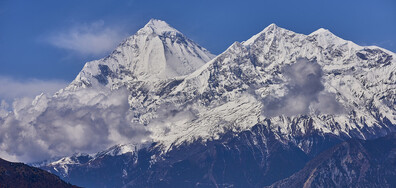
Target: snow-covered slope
[{"x": 352, "y": 93}]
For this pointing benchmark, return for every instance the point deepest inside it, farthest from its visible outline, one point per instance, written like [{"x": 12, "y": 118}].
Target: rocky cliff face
[
  {"x": 354, "y": 163},
  {"x": 250, "y": 159}
]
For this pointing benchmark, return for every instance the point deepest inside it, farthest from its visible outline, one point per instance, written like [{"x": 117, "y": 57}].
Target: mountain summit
[
  {"x": 158, "y": 27},
  {"x": 155, "y": 52}
]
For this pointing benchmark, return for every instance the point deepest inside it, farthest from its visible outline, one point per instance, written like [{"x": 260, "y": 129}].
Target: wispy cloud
[
  {"x": 12, "y": 88},
  {"x": 305, "y": 90},
  {"x": 88, "y": 39}
]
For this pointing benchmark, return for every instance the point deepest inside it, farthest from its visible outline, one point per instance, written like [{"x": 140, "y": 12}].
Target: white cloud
[
  {"x": 305, "y": 90},
  {"x": 88, "y": 39},
  {"x": 59, "y": 126},
  {"x": 12, "y": 88}
]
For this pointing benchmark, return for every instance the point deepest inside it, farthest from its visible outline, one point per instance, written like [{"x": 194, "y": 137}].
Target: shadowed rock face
[
  {"x": 354, "y": 163},
  {"x": 21, "y": 175},
  {"x": 253, "y": 158}
]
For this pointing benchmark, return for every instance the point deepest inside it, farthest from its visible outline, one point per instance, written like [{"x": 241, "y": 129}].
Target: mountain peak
[
  {"x": 321, "y": 31},
  {"x": 272, "y": 26},
  {"x": 159, "y": 27},
  {"x": 156, "y": 52},
  {"x": 326, "y": 38}
]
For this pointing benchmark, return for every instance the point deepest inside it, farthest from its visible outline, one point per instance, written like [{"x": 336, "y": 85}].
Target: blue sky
[{"x": 48, "y": 42}]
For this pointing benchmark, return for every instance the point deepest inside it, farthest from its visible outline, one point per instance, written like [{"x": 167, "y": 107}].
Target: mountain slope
[
  {"x": 21, "y": 175},
  {"x": 354, "y": 163}
]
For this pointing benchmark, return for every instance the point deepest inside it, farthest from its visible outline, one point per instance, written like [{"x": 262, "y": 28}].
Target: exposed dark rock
[
  {"x": 19, "y": 175},
  {"x": 354, "y": 163}
]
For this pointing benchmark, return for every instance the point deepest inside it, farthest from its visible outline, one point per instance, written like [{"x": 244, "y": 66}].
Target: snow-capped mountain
[
  {"x": 303, "y": 93},
  {"x": 275, "y": 98},
  {"x": 155, "y": 52},
  {"x": 353, "y": 95},
  {"x": 94, "y": 111}
]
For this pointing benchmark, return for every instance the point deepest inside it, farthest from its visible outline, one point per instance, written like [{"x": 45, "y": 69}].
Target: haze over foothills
[{"x": 43, "y": 45}]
